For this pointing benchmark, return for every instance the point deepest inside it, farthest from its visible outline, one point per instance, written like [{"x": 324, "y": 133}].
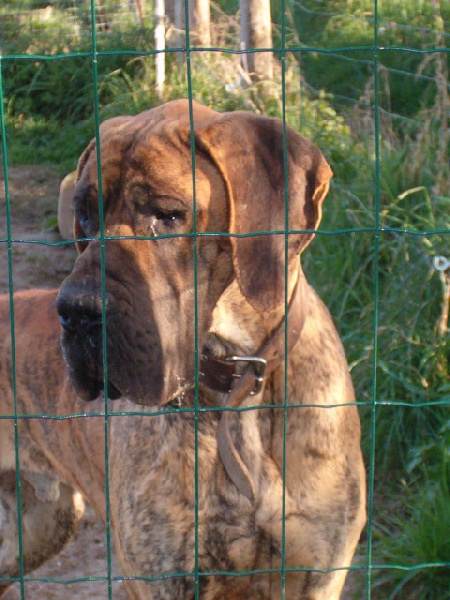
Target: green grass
[
  {"x": 418, "y": 530},
  {"x": 339, "y": 24},
  {"x": 46, "y": 142}
]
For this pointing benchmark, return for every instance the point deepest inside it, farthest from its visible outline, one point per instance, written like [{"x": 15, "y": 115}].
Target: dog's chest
[{"x": 165, "y": 519}]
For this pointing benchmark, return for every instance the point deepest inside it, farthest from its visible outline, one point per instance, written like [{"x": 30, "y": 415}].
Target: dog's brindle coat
[{"x": 239, "y": 188}]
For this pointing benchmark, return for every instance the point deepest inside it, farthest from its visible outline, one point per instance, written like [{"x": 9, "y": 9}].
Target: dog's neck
[
  {"x": 258, "y": 348},
  {"x": 238, "y": 328}
]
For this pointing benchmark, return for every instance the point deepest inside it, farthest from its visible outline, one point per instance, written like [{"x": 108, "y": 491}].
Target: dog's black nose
[{"x": 80, "y": 310}]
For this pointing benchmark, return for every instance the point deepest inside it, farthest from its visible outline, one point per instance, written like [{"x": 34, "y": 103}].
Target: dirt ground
[
  {"x": 34, "y": 193},
  {"x": 34, "y": 196}
]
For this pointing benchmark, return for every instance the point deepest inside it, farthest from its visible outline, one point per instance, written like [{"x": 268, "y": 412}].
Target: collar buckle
[{"x": 259, "y": 366}]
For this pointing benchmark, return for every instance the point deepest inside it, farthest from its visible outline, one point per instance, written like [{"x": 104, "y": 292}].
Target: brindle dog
[{"x": 212, "y": 491}]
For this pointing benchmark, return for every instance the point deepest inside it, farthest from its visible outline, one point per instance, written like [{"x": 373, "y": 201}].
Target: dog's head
[{"x": 170, "y": 247}]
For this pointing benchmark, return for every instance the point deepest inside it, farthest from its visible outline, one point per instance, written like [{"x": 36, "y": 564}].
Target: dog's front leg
[{"x": 297, "y": 527}]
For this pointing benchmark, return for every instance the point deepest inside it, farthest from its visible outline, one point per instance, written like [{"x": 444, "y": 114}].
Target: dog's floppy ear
[{"x": 248, "y": 151}]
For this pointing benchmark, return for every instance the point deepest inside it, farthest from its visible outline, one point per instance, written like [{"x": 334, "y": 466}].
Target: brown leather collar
[{"x": 221, "y": 375}]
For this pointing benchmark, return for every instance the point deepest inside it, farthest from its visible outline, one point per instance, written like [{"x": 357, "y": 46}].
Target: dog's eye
[
  {"x": 160, "y": 214},
  {"x": 85, "y": 222},
  {"x": 169, "y": 218},
  {"x": 85, "y": 208}
]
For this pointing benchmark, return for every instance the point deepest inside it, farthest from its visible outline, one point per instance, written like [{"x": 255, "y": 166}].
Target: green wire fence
[{"x": 374, "y": 237}]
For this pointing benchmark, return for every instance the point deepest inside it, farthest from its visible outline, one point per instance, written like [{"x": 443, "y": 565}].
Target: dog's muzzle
[{"x": 82, "y": 315}]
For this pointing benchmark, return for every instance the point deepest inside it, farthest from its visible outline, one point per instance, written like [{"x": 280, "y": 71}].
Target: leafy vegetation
[
  {"x": 422, "y": 526},
  {"x": 400, "y": 184}
]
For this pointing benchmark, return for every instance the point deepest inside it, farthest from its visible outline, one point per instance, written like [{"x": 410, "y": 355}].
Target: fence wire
[{"x": 372, "y": 224}]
